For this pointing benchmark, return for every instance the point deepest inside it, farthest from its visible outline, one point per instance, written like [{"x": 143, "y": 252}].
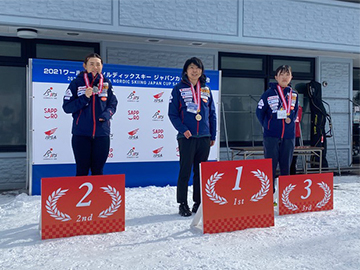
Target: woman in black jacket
[{"x": 92, "y": 103}]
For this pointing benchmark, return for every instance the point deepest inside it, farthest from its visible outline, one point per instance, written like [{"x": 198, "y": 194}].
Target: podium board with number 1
[{"x": 235, "y": 195}]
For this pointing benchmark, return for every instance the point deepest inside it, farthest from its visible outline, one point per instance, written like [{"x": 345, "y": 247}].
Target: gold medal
[
  {"x": 288, "y": 120},
  {"x": 198, "y": 117}
]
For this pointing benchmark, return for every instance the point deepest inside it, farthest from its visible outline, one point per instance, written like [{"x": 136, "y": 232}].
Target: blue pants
[
  {"x": 192, "y": 151},
  {"x": 281, "y": 152},
  {"x": 90, "y": 154}
]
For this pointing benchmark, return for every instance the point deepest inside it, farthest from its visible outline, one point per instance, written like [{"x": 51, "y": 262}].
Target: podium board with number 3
[{"x": 82, "y": 205}]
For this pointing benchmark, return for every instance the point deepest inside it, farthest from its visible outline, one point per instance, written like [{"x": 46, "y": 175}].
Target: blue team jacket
[
  {"x": 87, "y": 111},
  {"x": 183, "y": 120},
  {"x": 266, "y": 112}
]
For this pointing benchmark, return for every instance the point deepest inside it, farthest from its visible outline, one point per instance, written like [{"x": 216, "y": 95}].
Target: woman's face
[
  {"x": 93, "y": 66},
  {"x": 193, "y": 72},
  {"x": 283, "y": 79}
]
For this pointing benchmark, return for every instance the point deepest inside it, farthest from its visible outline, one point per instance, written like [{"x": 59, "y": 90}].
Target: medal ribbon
[
  {"x": 101, "y": 82},
  {"x": 287, "y": 106},
  {"x": 196, "y": 98}
]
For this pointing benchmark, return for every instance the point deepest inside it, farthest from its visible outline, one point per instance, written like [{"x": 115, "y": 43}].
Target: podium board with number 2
[{"x": 82, "y": 205}]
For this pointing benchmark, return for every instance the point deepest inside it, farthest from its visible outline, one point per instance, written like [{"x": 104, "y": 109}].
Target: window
[
  {"x": 15, "y": 54},
  {"x": 244, "y": 79}
]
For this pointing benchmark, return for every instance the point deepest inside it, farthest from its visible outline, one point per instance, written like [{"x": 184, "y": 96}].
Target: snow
[{"x": 156, "y": 237}]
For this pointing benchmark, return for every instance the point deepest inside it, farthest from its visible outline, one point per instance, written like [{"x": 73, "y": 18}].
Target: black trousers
[
  {"x": 90, "y": 154},
  {"x": 192, "y": 152},
  {"x": 281, "y": 152},
  {"x": 294, "y": 159}
]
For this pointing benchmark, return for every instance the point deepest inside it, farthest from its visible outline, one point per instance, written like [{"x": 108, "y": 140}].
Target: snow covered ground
[{"x": 156, "y": 237}]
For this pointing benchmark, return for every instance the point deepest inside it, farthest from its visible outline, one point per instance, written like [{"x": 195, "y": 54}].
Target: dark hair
[
  {"x": 92, "y": 55},
  {"x": 196, "y": 61},
  {"x": 283, "y": 69}
]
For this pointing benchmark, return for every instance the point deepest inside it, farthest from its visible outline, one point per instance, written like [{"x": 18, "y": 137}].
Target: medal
[
  {"x": 198, "y": 117},
  {"x": 287, "y": 120},
  {"x": 96, "y": 90},
  {"x": 287, "y": 106}
]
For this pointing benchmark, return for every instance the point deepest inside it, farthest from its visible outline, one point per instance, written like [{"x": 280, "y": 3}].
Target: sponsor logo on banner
[
  {"x": 132, "y": 97},
  {"x": 133, "y": 115},
  {"x": 50, "y": 94},
  {"x": 50, "y": 134},
  {"x": 158, "y": 116},
  {"x": 111, "y": 153},
  {"x": 111, "y": 136},
  {"x": 50, "y": 113},
  {"x": 158, "y": 133},
  {"x": 132, "y": 153},
  {"x": 157, "y": 98},
  {"x": 133, "y": 134},
  {"x": 177, "y": 152},
  {"x": 50, "y": 155},
  {"x": 157, "y": 152}
]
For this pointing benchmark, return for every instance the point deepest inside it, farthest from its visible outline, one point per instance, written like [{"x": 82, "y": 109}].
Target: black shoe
[
  {"x": 184, "y": 210},
  {"x": 195, "y": 207}
]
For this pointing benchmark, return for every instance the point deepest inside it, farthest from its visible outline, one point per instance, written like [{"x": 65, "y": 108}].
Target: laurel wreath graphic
[
  {"x": 115, "y": 203},
  {"x": 265, "y": 186},
  {"x": 210, "y": 189},
  {"x": 51, "y": 205},
  {"x": 327, "y": 195},
  {"x": 285, "y": 198}
]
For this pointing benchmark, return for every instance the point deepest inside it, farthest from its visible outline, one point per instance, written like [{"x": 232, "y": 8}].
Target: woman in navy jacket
[
  {"x": 192, "y": 113},
  {"x": 277, "y": 111},
  {"x": 92, "y": 103}
]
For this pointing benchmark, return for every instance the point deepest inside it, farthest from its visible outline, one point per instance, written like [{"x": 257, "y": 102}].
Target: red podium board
[
  {"x": 235, "y": 195},
  {"x": 305, "y": 193},
  {"x": 82, "y": 205}
]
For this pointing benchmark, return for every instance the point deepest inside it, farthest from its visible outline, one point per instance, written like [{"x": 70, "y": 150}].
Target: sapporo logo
[
  {"x": 50, "y": 113},
  {"x": 158, "y": 133},
  {"x": 158, "y": 116},
  {"x": 50, "y": 134},
  {"x": 133, "y": 134},
  {"x": 157, "y": 152},
  {"x": 132, "y": 153},
  {"x": 133, "y": 115},
  {"x": 157, "y": 98},
  {"x": 50, "y": 155},
  {"x": 50, "y": 94},
  {"x": 132, "y": 97}
]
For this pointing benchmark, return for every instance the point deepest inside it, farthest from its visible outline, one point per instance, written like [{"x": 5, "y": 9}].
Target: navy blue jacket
[
  {"x": 270, "y": 102},
  {"x": 87, "y": 111},
  {"x": 183, "y": 120}
]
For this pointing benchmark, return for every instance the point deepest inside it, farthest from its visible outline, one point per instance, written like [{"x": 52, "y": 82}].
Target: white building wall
[{"x": 337, "y": 73}]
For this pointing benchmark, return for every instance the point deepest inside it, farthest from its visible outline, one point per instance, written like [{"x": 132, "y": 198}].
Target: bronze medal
[
  {"x": 288, "y": 120},
  {"x": 198, "y": 117}
]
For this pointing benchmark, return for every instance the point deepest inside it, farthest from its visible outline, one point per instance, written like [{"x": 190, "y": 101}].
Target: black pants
[
  {"x": 192, "y": 152},
  {"x": 90, "y": 154},
  {"x": 280, "y": 151},
  {"x": 294, "y": 159}
]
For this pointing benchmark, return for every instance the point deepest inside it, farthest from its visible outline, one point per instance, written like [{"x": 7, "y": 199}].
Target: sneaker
[
  {"x": 184, "y": 210},
  {"x": 275, "y": 203},
  {"x": 195, "y": 207}
]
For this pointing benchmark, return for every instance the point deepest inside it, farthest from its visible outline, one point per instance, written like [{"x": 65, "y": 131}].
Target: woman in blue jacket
[
  {"x": 92, "y": 103},
  {"x": 277, "y": 111},
  {"x": 192, "y": 113}
]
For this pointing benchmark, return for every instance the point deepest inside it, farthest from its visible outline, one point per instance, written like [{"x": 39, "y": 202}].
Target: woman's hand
[
  {"x": 88, "y": 92},
  {"x": 212, "y": 143},
  {"x": 187, "y": 134}
]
